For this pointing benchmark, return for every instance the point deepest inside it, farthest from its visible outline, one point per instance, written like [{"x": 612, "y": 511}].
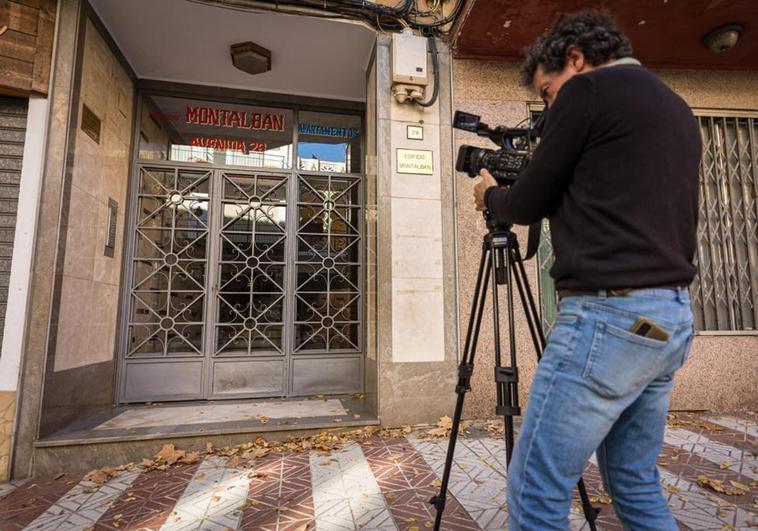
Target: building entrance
[{"x": 244, "y": 281}]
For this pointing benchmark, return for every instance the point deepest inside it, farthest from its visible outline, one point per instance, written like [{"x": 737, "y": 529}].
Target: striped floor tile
[
  {"x": 279, "y": 495},
  {"x": 408, "y": 482},
  {"x": 737, "y": 460},
  {"x": 378, "y": 484},
  {"x": 346, "y": 494},
  {"x": 83, "y": 505},
  {"x": 213, "y": 499},
  {"x": 148, "y": 502}
]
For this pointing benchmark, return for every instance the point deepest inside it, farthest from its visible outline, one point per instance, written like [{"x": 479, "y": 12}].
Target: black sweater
[{"x": 616, "y": 172}]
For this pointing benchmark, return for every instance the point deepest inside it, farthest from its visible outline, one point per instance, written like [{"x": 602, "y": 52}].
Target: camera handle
[{"x": 501, "y": 254}]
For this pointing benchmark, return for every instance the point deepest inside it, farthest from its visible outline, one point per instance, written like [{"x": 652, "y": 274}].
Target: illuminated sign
[
  {"x": 322, "y": 130},
  {"x": 415, "y": 161},
  {"x": 260, "y": 121}
]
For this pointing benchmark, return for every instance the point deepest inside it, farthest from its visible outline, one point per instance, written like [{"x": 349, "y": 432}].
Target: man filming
[{"x": 616, "y": 173}]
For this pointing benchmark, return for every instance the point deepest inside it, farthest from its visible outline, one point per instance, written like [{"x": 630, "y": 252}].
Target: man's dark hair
[{"x": 592, "y": 32}]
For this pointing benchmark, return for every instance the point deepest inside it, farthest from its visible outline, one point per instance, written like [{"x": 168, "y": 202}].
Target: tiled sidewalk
[{"x": 378, "y": 483}]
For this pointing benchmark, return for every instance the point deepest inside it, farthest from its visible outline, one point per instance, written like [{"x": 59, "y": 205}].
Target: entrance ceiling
[
  {"x": 186, "y": 42},
  {"x": 664, "y": 33}
]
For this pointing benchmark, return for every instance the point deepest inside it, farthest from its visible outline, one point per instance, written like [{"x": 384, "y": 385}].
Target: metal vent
[{"x": 110, "y": 237}]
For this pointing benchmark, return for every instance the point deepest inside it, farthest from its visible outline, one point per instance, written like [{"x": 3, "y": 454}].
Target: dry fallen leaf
[
  {"x": 169, "y": 455},
  {"x": 717, "y": 485},
  {"x": 436, "y": 483},
  {"x": 673, "y": 489},
  {"x": 739, "y": 486},
  {"x": 495, "y": 426},
  {"x": 690, "y": 421},
  {"x": 444, "y": 425},
  {"x": 100, "y": 475}
]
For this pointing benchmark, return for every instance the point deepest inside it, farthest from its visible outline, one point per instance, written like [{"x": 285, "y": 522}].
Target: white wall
[{"x": 23, "y": 243}]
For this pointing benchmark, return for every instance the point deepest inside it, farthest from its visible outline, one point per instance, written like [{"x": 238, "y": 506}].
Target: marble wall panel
[{"x": 86, "y": 332}]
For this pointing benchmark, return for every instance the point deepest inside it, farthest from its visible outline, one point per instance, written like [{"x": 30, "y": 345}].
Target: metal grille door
[
  {"x": 249, "y": 337},
  {"x": 243, "y": 284}
]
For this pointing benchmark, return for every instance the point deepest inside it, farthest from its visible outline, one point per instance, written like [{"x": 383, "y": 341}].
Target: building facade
[{"x": 180, "y": 234}]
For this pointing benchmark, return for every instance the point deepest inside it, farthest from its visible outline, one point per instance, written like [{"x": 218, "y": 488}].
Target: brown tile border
[
  {"x": 148, "y": 502},
  {"x": 279, "y": 497},
  {"x": 22, "y": 506}
]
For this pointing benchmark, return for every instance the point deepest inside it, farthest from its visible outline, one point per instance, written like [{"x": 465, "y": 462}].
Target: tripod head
[{"x": 493, "y": 226}]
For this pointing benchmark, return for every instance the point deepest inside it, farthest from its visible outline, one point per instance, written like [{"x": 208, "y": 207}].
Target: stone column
[
  {"x": 416, "y": 280},
  {"x": 62, "y": 117}
]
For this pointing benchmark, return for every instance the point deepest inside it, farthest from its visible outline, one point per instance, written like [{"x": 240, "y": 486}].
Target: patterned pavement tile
[
  {"x": 27, "y": 502},
  {"x": 346, "y": 494},
  {"x": 380, "y": 484},
  {"x": 701, "y": 510},
  {"x": 691, "y": 465},
  {"x": 149, "y": 501},
  {"x": 477, "y": 478},
  {"x": 748, "y": 426},
  {"x": 212, "y": 500},
  {"x": 408, "y": 482},
  {"x": 6, "y": 487},
  {"x": 740, "y": 462},
  {"x": 279, "y": 494},
  {"x": 83, "y": 505}
]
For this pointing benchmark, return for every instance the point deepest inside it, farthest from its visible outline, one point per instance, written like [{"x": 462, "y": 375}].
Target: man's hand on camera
[{"x": 486, "y": 181}]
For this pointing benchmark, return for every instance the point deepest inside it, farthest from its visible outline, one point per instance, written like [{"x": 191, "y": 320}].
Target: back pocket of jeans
[{"x": 619, "y": 361}]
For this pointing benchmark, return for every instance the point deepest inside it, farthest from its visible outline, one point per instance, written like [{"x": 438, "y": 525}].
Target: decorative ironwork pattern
[
  {"x": 327, "y": 305},
  {"x": 251, "y": 274},
  {"x": 725, "y": 293},
  {"x": 548, "y": 295},
  {"x": 169, "y": 263}
]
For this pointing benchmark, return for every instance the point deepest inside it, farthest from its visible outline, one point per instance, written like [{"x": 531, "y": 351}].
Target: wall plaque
[
  {"x": 415, "y": 161},
  {"x": 415, "y": 132},
  {"x": 90, "y": 124}
]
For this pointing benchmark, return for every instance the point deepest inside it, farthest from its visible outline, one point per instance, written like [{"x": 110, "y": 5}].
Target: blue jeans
[{"x": 600, "y": 388}]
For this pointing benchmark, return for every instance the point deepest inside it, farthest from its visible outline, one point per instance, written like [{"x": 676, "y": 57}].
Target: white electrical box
[{"x": 409, "y": 58}]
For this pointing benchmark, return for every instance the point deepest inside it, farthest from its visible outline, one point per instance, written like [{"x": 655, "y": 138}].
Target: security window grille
[{"x": 725, "y": 292}]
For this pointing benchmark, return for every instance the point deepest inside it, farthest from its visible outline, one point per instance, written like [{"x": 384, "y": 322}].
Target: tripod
[{"x": 501, "y": 254}]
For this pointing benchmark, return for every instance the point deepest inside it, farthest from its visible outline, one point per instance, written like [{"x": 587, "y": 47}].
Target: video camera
[{"x": 505, "y": 164}]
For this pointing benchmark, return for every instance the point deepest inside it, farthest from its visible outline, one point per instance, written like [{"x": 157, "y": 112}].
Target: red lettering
[
  {"x": 256, "y": 123},
  {"x": 278, "y": 122},
  {"x": 234, "y": 119},
  {"x": 191, "y": 116}
]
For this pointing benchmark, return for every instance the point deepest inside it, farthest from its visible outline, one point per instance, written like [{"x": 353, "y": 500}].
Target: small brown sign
[{"x": 90, "y": 123}]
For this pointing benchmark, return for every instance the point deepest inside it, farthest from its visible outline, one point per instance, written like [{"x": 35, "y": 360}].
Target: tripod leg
[
  {"x": 525, "y": 294},
  {"x": 532, "y": 318},
  {"x": 506, "y": 378},
  {"x": 465, "y": 370},
  {"x": 530, "y": 297}
]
